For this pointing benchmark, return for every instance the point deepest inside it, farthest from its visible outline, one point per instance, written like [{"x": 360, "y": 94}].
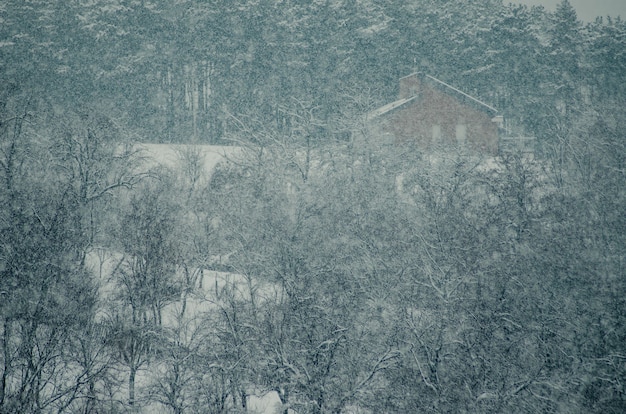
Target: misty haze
[{"x": 311, "y": 207}]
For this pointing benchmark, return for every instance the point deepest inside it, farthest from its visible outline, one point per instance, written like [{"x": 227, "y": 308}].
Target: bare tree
[{"x": 49, "y": 296}]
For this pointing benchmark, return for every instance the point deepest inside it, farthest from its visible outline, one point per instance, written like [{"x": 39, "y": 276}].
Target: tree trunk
[
  {"x": 244, "y": 401},
  {"x": 91, "y": 397},
  {"x": 283, "y": 394},
  {"x": 170, "y": 117},
  {"x": 131, "y": 386},
  {"x": 6, "y": 335}
]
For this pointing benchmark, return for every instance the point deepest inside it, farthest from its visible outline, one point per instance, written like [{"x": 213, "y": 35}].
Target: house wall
[
  {"x": 438, "y": 119},
  {"x": 409, "y": 86}
]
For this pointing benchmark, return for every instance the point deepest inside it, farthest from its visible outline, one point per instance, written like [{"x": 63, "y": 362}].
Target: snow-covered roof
[
  {"x": 401, "y": 102},
  {"x": 389, "y": 107},
  {"x": 458, "y": 91}
]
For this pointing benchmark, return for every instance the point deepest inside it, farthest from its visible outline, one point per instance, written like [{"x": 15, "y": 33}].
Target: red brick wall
[
  {"x": 415, "y": 121},
  {"x": 409, "y": 85}
]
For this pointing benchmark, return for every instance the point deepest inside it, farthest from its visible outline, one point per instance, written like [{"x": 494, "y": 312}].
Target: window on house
[
  {"x": 436, "y": 133},
  {"x": 461, "y": 134}
]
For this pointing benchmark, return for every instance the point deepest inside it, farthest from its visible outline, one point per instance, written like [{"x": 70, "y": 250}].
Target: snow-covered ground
[
  {"x": 210, "y": 289},
  {"x": 206, "y": 296},
  {"x": 170, "y": 154},
  {"x": 182, "y": 156}
]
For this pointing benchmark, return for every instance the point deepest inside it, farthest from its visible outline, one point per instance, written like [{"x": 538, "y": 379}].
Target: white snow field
[
  {"x": 204, "y": 299},
  {"x": 174, "y": 156}
]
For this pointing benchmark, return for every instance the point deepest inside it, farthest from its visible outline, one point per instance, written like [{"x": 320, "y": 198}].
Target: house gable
[{"x": 436, "y": 114}]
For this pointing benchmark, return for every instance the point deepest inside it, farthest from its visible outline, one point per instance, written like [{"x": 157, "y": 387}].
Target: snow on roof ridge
[
  {"x": 400, "y": 102},
  {"x": 410, "y": 74},
  {"x": 459, "y": 91},
  {"x": 389, "y": 107}
]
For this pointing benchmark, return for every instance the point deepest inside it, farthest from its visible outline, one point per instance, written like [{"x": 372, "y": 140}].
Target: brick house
[{"x": 439, "y": 115}]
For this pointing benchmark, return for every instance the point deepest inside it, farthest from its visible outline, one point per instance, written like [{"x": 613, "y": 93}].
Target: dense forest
[
  {"x": 176, "y": 71},
  {"x": 316, "y": 263}
]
